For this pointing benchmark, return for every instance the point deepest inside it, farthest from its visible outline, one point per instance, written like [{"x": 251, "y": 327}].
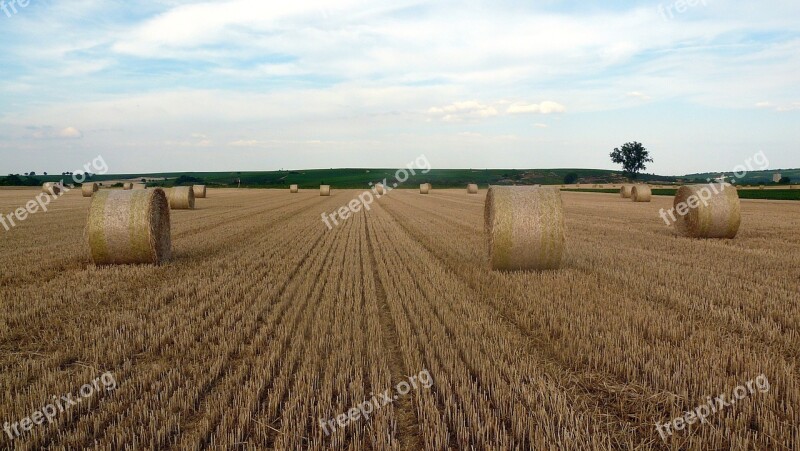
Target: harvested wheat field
[{"x": 265, "y": 326}]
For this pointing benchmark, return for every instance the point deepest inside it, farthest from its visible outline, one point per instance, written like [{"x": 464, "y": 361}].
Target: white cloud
[
  {"x": 779, "y": 108},
  {"x": 52, "y": 133},
  {"x": 639, "y": 95},
  {"x": 546, "y": 107},
  {"x": 70, "y": 133},
  {"x": 459, "y": 111},
  {"x": 541, "y": 125}
]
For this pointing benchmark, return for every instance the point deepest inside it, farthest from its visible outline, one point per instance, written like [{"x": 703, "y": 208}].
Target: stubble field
[{"x": 265, "y": 322}]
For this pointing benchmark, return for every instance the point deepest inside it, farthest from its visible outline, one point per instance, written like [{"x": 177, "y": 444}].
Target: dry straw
[
  {"x": 626, "y": 191},
  {"x": 425, "y": 188},
  {"x": 181, "y": 198},
  {"x": 199, "y": 191},
  {"x": 472, "y": 188},
  {"x": 525, "y": 227},
  {"x": 294, "y": 189},
  {"x": 54, "y": 189},
  {"x": 88, "y": 189},
  {"x": 324, "y": 190},
  {"x": 641, "y": 193},
  {"x": 713, "y": 211},
  {"x": 127, "y": 186},
  {"x": 129, "y": 227}
]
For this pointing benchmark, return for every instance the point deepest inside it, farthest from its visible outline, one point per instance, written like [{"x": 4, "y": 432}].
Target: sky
[{"x": 174, "y": 85}]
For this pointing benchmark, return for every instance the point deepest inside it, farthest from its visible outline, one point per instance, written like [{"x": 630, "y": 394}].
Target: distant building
[{"x": 776, "y": 177}]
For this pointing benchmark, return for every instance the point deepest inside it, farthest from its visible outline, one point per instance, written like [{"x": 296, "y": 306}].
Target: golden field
[{"x": 265, "y": 321}]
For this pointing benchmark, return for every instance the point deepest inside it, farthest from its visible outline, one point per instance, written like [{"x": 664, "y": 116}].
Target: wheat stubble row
[
  {"x": 646, "y": 331},
  {"x": 265, "y": 322}
]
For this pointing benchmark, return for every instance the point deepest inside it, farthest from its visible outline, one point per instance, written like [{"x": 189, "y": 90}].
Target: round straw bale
[
  {"x": 52, "y": 188},
  {"x": 760, "y": 186},
  {"x": 794, "y": 187},
  {"x": 294, "y": 189},
  {"x": 139, "y": 186},
  {"x": 525, "y": 227},
  {"x": 424, "y": 188},
  {"x": 199, "y": 191},
  {"x": 641, "y": 193},
  {"x": 129, "y": 227},
  {"x": 181, "y": 198},
  {"x": 379, "y": 189},
  {"x": 626, "y": 191},
  {"x": 324, "y": 190},
  {"x": 472, "y": 188},
  {"x": 127, "y": 186},
  {"x": 89, "y": 188},
  {"x": 711, "y": 211}
]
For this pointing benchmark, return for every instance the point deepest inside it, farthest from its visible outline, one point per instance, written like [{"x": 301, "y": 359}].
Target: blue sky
[{"x": 179, "y": 85}]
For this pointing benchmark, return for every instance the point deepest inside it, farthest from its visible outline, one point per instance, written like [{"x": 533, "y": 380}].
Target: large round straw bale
[
  {"x": 626, "y": 191},
  {"x": 139, "y": 186},
  {"x": 199, "y": 191},
  {"x": 89, "y": 188},
  {"x": 181, "y": 198},
  {"x": 380, "y": 189},
  {"x": 707, "y": 211},
  {"x": 424, "y": 188},
  {"x": 525, "y": 227},
  {"x": 472, "y": 188},
  {"x": 129, "y": 227},
  {"x": 52, "y": 188},
  {"x": 324, "y": 190},
  {"x": 294, "y": 189},
  {"x": 127, "y": 186},
  {"x": 641, "y": 193}
]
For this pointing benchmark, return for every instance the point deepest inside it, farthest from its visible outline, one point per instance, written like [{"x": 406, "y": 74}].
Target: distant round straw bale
[
  {"x": 199, "y": 191},
  {"x": 139, "y": 186},
  {"x": 380, "y": 189},
  {"x": 424, "y": 188},
  {"x": 641, "y": 193},
  {"x": 711, "y": 211},
  {"x": 525, "y": 227},
  {"x": 794, "y": 187},
  {"x": 127, "y": 186},
  {"x": 294, "y": 189},
  {"x": 89, "y": 188},
  {"x": 129, "y": 227},
  {"x": 472, "y": 188},
  {"x": 626, "y": 191},
  {"x": 52, "y": 188},
  {"x": 324, "y": 190},
  {"x": 181, "y": 198}
]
